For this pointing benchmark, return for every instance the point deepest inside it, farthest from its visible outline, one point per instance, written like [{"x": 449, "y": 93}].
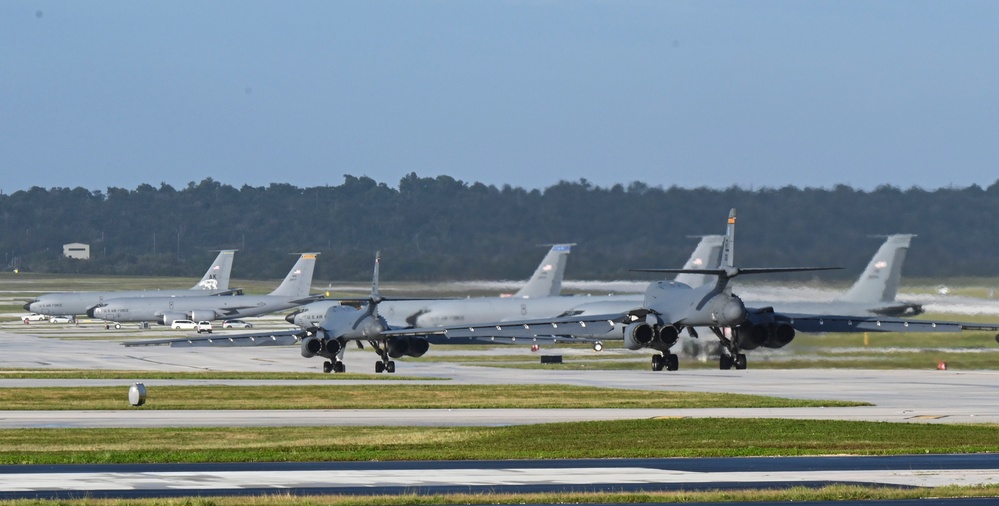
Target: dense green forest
[{"x": 446, "y": 229}]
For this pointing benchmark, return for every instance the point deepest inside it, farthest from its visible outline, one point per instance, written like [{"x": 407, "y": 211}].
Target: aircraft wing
[
  {"x": 551, "y": 330},
  {"x": 278, "y": 338},
  {"x": 844, "y": 323}
]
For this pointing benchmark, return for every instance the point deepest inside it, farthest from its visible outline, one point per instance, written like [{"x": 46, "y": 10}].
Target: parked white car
[
  {"x": 34, "y": 317},
  {"x": 236, "y": 324},
  {"x": 204, "y": 326},
  {"x": 183, "y": 325},
  {"x": 61, "y": 319}
]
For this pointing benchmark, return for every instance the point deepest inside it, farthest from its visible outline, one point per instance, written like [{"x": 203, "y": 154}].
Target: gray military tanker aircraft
[
  {"x": 545, "y": 282},
  {"x": 293, "y": 291},
  {"x": 214, "y": 282}
]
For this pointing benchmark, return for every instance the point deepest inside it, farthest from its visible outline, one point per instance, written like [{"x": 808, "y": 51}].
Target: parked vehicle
[
  {"x": 34, "y": 317},
  {"x": 204, "y": 326},
  {"x": 236, "y": 324},
  {"x": 183, "y": 325},
  {"x": 62, "y": 319}
]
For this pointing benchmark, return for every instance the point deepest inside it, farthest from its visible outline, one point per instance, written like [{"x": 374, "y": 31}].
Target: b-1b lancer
[
  {"x": 214, "y": 282},
  {"x": 293, "y": 291}
]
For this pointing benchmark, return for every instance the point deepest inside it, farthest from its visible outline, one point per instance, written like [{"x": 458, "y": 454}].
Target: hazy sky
[{"x": 526, "y": 93}]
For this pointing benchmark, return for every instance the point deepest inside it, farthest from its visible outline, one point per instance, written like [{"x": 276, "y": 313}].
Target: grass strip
[
  {"x": 653, "y": 438},
  {"x": 385, "y": 396}
]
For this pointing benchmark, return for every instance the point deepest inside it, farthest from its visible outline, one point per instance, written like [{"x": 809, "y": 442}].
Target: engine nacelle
[
  {"x": 169, "y": 318},
  {"x": 638, "y": 335},
  {"x": 202, "y": 315},
  {"x": 666, "y": 337},
  {"x": 750, "y": 336},
  {"x": 781, "y": 335},
  {"x": 311, "y": 346},
  {"x": 407, "y": 346},
  {"x": 324, "y": 347}
]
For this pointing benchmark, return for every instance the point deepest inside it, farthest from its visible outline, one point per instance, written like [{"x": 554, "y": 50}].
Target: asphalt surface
[{"x": 591, "y": 475}]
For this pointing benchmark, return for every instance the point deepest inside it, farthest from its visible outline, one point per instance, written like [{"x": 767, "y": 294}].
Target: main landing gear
[
  {"x": 336, "y": 366},
  {"x": 668, "y": 361},
  {"x": 386, "y": 364},
  {"x": 725, "y": 362},
  {"x": 730, "y": 355}
]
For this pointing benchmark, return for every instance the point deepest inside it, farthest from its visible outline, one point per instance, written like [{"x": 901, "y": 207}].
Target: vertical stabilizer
[
  {"x": 547, "y": 279},
  {"x": 728, "y": 247},
  {"x": 706, "y": 255},
  {"x": 880, "y": 280},
  {"x": 298, "y": 282},
  {"x": 217, "y": 277}
]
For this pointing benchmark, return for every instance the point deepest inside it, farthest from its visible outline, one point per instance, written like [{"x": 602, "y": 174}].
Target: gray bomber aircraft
[
  {"x": 293, "y": 291},
  {"x": 214, "y": 282},
  {"x": 873, "y": 293}
]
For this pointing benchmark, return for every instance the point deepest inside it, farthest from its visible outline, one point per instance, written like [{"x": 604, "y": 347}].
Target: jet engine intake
[
  {"x": 407, "y": 346},
  {"x": 638, "y": 335},
  {"x": 311, "y": 346},
  {"x": 666, "y": 337},
  {"x": 324, "y": 347},
  {"x": 750, "y": 336}
]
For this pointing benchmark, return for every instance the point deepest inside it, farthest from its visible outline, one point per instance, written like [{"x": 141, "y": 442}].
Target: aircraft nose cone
[
  {"x": 291, "y": 317},
  {"x": 94, "y": 312},
  {"x": 27, "y": 307}
]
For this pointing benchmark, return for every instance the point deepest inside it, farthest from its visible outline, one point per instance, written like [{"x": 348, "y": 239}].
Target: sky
[{"x": 526, "y": 93}]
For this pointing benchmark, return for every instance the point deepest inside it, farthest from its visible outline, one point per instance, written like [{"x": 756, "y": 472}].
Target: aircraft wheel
[
  {"x": 117, "y": 326},
  {"x": 379, "y": 366},
  {"x": 740, "y": 361},
  {"x": 390, "y": 366},
  {"x": 658, "y": 362},
  {"x": 724, "y": 362},
  {"x": 339, "y": 367},
  {"x": 598, "y": 346},
  {"x": 327, "y": 366},
  {"x": 672, "y": 362}
]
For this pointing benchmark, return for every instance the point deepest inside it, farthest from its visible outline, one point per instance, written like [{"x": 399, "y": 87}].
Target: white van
[{"x": 183, "y": 325}]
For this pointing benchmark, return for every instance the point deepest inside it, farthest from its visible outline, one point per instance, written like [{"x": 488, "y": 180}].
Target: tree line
[{"x": 441, "y": 228}]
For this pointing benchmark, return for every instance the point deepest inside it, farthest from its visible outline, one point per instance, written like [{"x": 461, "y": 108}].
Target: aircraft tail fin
[
  {"x": 880, "y": 280},
  {"x": 375, "y": 296},
  {"x": 298, "y": 282},
  {"x": 726, "y": 267},
  {"x": 727, "y": 260},
  {"x": 217, "y": 276},
  {"x": 547, "y": 278},
  {"x": 707, "y": 253}
]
